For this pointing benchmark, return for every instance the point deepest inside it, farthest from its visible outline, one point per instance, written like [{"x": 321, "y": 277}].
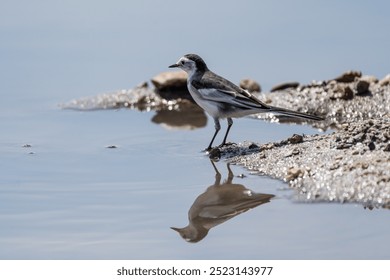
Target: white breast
[{"x": 209, "y": 106}]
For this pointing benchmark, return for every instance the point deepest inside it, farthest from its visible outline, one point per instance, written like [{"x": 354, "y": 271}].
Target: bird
[
  {"x": 222, "y": 99},
  {"x": 219, "y": 203}
]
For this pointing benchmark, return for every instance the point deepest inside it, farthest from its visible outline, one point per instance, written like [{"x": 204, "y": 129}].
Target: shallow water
[{"x": 69, "y": 196}]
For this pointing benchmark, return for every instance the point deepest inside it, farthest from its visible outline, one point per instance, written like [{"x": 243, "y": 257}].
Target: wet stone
[
  {"x": 295, "y": 139},
  {"x": 371, "y": 146},
  {"x": 347, "y": 93},
  {"x": 214, "y": 153},
  {"x": 253, "y": 146}
]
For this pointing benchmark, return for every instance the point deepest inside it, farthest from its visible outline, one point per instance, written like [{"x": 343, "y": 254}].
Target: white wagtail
[{"x": 221, "y": 98}]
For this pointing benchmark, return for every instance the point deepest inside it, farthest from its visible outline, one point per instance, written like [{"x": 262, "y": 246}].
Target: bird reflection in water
[{"x": 219, "y": 203}]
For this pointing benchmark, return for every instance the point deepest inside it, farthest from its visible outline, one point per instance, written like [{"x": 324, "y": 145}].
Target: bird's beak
[{"x": 174, "y": 65}]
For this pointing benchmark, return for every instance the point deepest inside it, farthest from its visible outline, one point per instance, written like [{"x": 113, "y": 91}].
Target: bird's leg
[
  {"x": 217, "y": 128},
  {"x": 230, "y": 123},
  {"x": 218, "y": 175},
  {"x": 230, "y": 174}
]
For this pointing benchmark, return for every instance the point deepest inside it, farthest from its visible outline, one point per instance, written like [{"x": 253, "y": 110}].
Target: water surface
[{"x": 69, "y": 196}]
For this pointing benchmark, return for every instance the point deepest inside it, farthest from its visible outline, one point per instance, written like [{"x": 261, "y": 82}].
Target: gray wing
[
  {"x": 231, "y": 98},
  {"x": 215, "y": 88}
]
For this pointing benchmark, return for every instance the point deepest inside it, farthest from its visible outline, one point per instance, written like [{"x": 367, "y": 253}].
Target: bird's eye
[{"x": 182, "y": 62}]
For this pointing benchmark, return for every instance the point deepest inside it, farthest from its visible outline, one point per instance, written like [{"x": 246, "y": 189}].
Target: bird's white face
[{"x": 187, "y": 65}]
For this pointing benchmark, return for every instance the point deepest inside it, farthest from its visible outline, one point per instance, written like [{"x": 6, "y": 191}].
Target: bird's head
[{"x": 190, "y": 63}]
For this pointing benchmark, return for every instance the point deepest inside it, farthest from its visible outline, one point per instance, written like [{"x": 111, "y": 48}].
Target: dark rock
[
  {"x": 295, "y": 139},
  {"x": 343, "y": 92},
  {"x": 348, "y": 77},
  {"x": 362, "y": 87},
  {"x": 284, "y": 86},
  {"x": 347, "y": 94},
  {"x": 112, "y": 147},
  {"x": 371, "y": 146},
  {"x": 253, "y": 146},
  {"x": 387, "y": 148},
  {"x": 250, "y": 85},
  {"x": 215, "y": 153},
  {"x": 342, "y": 146}
]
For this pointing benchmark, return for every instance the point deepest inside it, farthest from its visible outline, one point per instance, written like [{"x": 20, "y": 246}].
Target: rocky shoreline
[{"x": 351, "y": 164}]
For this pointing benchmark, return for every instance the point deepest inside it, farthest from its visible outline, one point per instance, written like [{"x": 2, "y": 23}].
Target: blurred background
[{"x": 75, "y": 48}]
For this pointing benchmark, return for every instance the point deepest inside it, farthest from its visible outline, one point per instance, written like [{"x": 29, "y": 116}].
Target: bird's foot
[
  {"x": 210, "y": 149},
  {"x": 215, "y": 153}
]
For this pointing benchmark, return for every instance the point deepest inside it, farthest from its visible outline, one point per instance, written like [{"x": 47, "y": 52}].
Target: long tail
[{"x": 291, "y": 113}]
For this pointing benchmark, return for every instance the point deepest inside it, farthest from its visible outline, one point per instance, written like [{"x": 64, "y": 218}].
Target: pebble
[
  {"x": 293, "y": 173},
  {"x": 362, "y": 87},
  {"x": 284, "y": 86},
  {"x": 112, "y": 147},
  {"x": 295, "y": 139},
  {"x": 292, "y": 152},
  {"x": 250, "y": 85},
  {"x": 348, "y": 77}
]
